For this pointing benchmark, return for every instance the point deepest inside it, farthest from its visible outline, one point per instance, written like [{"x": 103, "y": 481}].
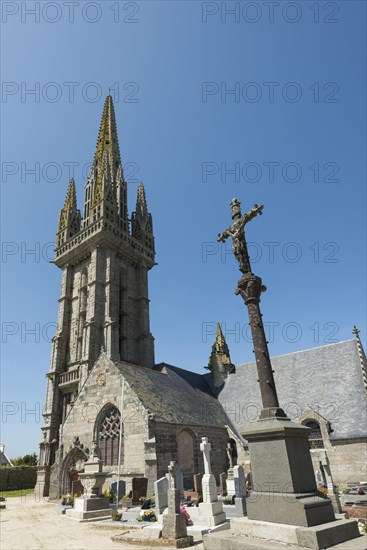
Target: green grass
[{"x": 18, "y": 493}]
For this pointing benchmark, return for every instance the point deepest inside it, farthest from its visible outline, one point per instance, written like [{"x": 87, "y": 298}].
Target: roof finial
[{"x": 356, "y": 331}]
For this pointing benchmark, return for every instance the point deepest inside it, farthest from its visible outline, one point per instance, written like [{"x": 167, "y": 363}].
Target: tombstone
[
  {"x": 332, "y": 494},
  {"x": 92, "y": 504},
  {"x": 240, "y": 490},
  {"x": 179, "y": 482},
  {"x": 198, "y": 487},
  {"x": 161, "y": 487},
  {"x": 211, "y": 509},
  {"x": 223, "y": 484},
  {"x": 139, "y": 489},
  {"x": 174, "y": 526}
]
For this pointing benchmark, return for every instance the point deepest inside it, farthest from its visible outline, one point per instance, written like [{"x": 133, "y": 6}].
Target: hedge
[{"x": 13, "y": 478}]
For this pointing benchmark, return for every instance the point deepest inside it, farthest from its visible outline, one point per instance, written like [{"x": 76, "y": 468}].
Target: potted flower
[
  {"x": 67, "y": 500},
  {"x": 146, "y": 515},
  {"x": 186, "y": 515}
]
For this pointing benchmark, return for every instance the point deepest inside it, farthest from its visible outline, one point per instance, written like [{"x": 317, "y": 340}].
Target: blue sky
[{"x": 292, "y": 131}]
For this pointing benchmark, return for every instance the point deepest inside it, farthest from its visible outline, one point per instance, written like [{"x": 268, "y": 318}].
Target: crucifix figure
[
  {"x": 236, "y": 231},
  {"x": 250, "y": 288}
]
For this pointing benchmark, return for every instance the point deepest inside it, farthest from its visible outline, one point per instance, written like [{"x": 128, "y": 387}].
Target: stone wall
[
  {"x": 103, "y": 387},
  {"x": 167, "y": 449},
  {"x": 348, "y": 461},
  {"x": 14, "y": 478}
]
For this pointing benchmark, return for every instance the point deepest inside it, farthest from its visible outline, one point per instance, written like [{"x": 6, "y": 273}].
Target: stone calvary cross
[
  {"x": 284, "y": 487},
  {"x": 250, "y": 288}
]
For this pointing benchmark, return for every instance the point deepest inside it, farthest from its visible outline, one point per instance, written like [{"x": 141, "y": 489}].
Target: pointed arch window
[{"x": 108, "y": 437}]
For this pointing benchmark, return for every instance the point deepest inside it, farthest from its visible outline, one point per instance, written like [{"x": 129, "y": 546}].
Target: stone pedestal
[
  {"x": 211, "y": 509},
  {"x": 174, "y": 530},
  {"x": 284, "y": 487},
  {"x": 90, "y": 508},
  {"x": 240, "y": 505},
  {"x": 92, "y": 505},
  {"x": 43, "y": 481},
  {"x": 246, "y": 533}
]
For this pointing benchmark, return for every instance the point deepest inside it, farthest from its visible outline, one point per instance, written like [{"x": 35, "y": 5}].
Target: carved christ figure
[{"x": 236, "y": 231}]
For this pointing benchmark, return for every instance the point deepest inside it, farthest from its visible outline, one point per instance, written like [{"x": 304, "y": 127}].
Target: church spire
[
  {"x": 69, "y": 218},
  {"x": 107, "y": 136},
  {"x": 220, "y": 361},
  {"x": 105, "y": 190},
  {"x": 141, "y": 220},
  {"x": 70, "y": 200}
]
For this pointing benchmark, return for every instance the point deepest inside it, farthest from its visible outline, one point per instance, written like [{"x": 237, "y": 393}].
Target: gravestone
[
  {"x": 161, "y": 487},
  {"x": 198, "y": 488},
  {"x": 92, "y": 504},
  {"x": 332, "y": 494},
  {"x": 211, "y": 509},
  {"x": 174, "y": 529},
  {"x": 139, "y": 489},
  {"x": 240, "y": 489},
  {"x": 223, "y": 484},
  {"x": 179, "y": 479}
]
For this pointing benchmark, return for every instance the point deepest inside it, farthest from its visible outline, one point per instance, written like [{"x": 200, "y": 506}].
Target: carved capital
[{"x": 250, "y": 288}]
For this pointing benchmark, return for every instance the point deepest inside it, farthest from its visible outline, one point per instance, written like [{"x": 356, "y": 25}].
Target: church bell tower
[{"x": 104, "y": 301}]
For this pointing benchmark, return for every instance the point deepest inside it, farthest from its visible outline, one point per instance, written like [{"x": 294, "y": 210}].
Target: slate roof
[
  {"x": 195, "y": 379},
  {"x": 171, "y": 398},
  {"x": 327, "y": 379}
]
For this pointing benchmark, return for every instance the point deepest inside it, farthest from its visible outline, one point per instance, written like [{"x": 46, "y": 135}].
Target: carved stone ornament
[{"x": 101, "y": 379}]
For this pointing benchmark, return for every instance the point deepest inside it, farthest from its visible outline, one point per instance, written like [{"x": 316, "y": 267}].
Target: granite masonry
[{"x": 103, "y": 348}]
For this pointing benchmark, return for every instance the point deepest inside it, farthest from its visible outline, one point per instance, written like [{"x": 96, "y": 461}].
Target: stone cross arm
[{"x": 240, "y": 221}]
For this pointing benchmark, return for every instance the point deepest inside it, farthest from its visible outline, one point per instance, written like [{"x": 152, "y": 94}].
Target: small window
[{"x": 315, "y": 439}]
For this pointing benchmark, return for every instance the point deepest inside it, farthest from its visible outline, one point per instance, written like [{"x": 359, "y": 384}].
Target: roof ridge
[
  {"x": 135, "y": 365},
  {"x": 301, "y": 351}
]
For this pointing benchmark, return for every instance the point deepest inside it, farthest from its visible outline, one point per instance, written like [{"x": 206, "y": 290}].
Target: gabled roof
[
  {"x": 4, "y": 460},
  {"x": 196, "y": 380},
  {"x": 327, "y": 379},
  {"x": 171, "y": 398}
]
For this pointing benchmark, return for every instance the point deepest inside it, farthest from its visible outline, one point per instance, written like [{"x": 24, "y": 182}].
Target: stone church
[{"x": 102, "y": 361}]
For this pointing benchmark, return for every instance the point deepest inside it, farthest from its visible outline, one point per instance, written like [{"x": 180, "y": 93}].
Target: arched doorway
[
  {"x": 73, "y": 465},
  {"x": 185, "y": 447},
  {"x": 76, "y": 485}
]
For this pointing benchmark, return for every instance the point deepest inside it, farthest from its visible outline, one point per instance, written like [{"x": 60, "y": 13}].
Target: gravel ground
[{"x": 31, "y": 524}]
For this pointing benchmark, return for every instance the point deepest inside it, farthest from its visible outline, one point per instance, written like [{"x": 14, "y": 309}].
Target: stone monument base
[
  {"x": 183, "y": 542},
  {"x": 240, "y": 505},
  {"x": 284, "y": 488},
  {"x": 90, "y": 508},
  {"x": 208, "y": 513},
  {"x": 317, "y": 537}
]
